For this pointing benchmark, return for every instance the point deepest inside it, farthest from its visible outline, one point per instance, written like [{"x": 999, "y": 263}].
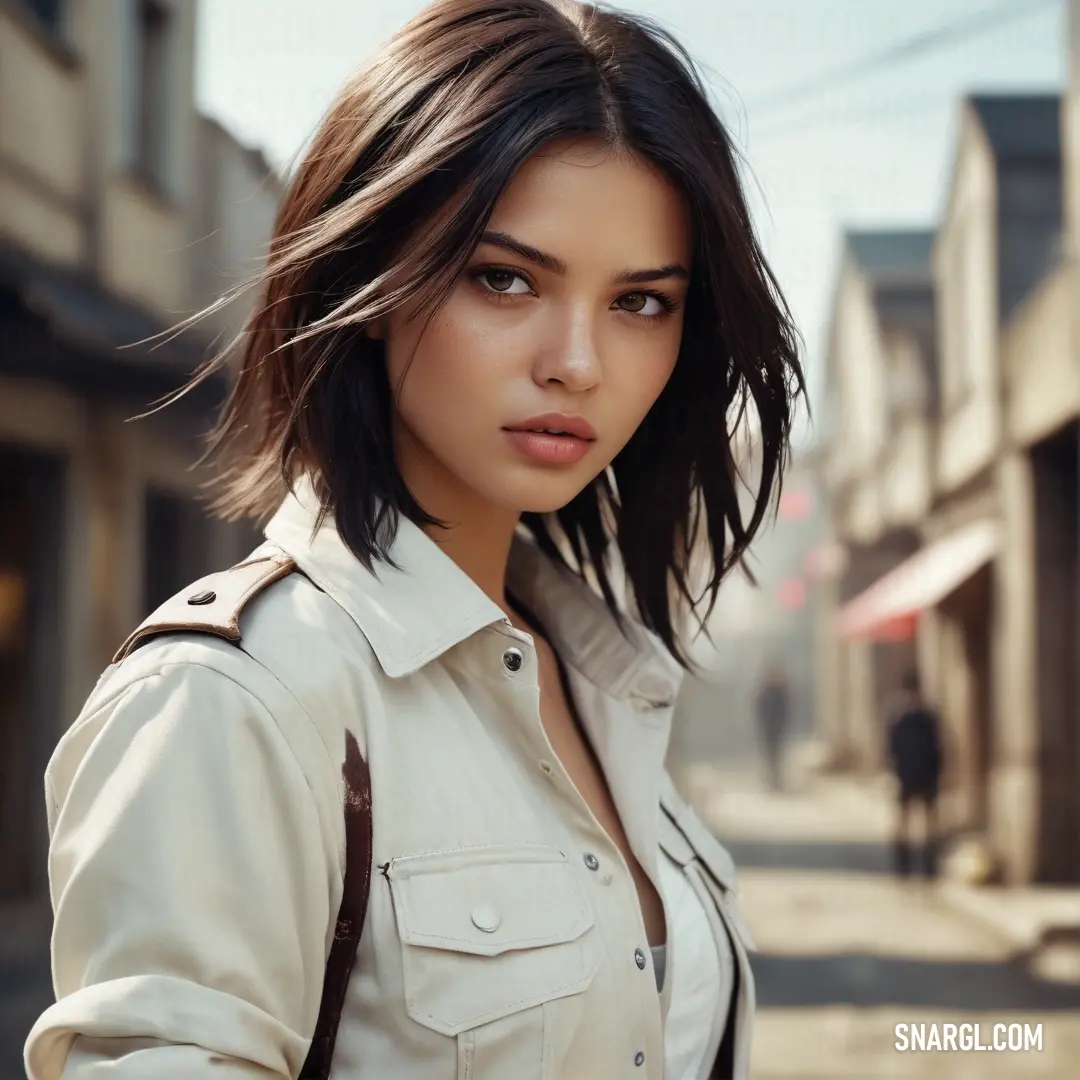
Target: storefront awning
[{"x": 889, "y": 607}]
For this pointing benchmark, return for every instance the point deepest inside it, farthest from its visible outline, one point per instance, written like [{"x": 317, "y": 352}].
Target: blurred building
[
  {"x": 881, "y": 408},
  {"x": 121, "y": 211},
  {"x": 952, "y": 474}
]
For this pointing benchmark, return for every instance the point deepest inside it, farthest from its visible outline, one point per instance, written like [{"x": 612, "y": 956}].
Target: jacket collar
[{"x": 415, "y": 612}]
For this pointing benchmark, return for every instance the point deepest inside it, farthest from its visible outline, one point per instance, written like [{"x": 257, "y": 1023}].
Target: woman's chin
[{"x": 540, "y": 498}]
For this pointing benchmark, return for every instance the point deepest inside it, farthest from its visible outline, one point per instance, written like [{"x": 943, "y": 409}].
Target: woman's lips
[
  {"x": 554, "y": 438},
  {"x": 549, "y": 449}
]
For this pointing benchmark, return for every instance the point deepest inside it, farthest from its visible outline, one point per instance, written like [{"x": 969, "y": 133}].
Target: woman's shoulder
[
  {"x": 265, "y": 619},
  {"x": 256, "y": 645}
]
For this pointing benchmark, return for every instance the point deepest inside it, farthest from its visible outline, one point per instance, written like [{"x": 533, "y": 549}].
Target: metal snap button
[
  {"x": 639, "y": 1058},
  {"x": 207, "y": 596},
  {"x": 513, "y": 659},
  {"x": 486, "y": 918},
  {"x": 639, "y": 958},
  {"x": 591, "y": 861}
]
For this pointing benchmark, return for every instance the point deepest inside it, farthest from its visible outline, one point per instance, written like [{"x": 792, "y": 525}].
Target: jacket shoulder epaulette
[{"x": 213, "y": 604}]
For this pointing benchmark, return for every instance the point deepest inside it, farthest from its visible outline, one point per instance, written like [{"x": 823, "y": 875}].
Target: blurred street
[{"x": 846, "y": 951}]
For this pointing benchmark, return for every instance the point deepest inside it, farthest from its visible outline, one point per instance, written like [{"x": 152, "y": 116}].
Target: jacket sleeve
[{"x": 193, "y": 883}]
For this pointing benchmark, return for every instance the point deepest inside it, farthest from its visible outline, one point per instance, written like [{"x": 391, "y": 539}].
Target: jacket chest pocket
[{"x": 493, "y": 940}]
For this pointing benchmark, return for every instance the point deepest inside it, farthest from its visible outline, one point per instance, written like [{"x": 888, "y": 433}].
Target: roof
[
  {"x": 254, "y": 155},
  {"x": 891, "y": 254},
  {"x": 1020, "y": 126},
  {"x": 109, "y": 339},
  {"x": 897, "y": 263}
]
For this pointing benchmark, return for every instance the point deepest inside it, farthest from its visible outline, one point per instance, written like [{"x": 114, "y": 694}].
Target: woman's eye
[
  {"x": 503, "y": 281},
  {"x": 640, "y": 304}
]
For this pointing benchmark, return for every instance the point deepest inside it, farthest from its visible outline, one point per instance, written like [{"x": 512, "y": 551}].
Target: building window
[
  {"x": 150, "y": 87},
  {"x": 49, "y": 13}
]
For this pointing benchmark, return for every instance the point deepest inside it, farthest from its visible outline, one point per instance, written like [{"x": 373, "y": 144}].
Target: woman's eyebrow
[
  {"x": 525, "y": 251},
  {"x": 642, "y": 277},
  {"x": 556, "y": 265}
]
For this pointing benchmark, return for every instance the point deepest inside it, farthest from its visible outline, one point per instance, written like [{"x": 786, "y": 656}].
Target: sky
[{"x": 838, "y": 126}]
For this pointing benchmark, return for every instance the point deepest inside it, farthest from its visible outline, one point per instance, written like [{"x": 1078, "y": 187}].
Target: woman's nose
[{"x": 572, "y": 357}]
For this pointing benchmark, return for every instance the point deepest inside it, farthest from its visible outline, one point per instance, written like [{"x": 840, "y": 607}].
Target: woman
[{"x": 512, "y": 313}]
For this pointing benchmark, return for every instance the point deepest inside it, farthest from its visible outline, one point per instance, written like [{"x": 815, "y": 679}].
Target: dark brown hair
[{"x": 387, "y": 207}]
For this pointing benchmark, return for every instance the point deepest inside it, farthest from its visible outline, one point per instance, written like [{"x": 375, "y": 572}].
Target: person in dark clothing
[
  {"x": 773, "y": 708},
  {"x": 915, "y": 753}
]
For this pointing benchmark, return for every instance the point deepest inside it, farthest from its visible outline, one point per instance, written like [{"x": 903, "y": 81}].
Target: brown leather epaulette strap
[
  {"x": 351, "y": 914},
  {"x": 212, "y": 605}
]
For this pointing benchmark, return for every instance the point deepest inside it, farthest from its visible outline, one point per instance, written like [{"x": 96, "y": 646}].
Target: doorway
[
  {"x": 1056, "y": 472},
  {"x": 31, "y": 543},
  {"x": 970, "y": 612}
]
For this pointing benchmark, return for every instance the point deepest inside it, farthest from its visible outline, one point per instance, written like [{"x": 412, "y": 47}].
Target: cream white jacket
[{"x": 198, "y": 841}]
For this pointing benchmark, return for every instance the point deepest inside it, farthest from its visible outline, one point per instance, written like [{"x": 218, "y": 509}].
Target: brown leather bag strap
[{"x": 351, "y": 914}]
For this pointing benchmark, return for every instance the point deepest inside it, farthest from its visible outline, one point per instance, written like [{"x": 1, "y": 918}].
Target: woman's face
[{"x": 568, "y": 319}]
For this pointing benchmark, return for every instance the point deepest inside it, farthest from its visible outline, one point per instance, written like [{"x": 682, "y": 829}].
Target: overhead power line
[{"x": 899, "y": 52}]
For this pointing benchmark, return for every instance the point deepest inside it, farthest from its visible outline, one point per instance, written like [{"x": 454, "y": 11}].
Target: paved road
[{"x": 846, "y": 952}]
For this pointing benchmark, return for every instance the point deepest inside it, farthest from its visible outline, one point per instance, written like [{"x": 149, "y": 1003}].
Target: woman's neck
[
  {"x": 479, "y": 545},
  {"x": 477, "y": 536}
]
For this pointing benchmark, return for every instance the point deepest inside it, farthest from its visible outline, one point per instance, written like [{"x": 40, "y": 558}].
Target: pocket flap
[
  {"x": 490, "y": 931},
  {"x": 684, "y": 836},
  {"x": 488, "y": 900}
]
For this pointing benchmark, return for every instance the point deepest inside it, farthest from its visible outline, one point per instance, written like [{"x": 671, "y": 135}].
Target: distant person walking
[
  {"x": 773, "y": 715},
  {"x": 915, "y": 753}
]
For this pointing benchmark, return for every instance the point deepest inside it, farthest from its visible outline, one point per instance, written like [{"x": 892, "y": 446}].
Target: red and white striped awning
[{"x": 890, "y": 607}]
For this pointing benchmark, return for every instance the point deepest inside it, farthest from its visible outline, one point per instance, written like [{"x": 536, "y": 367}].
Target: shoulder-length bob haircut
[{"x": 386, "y": 209}]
